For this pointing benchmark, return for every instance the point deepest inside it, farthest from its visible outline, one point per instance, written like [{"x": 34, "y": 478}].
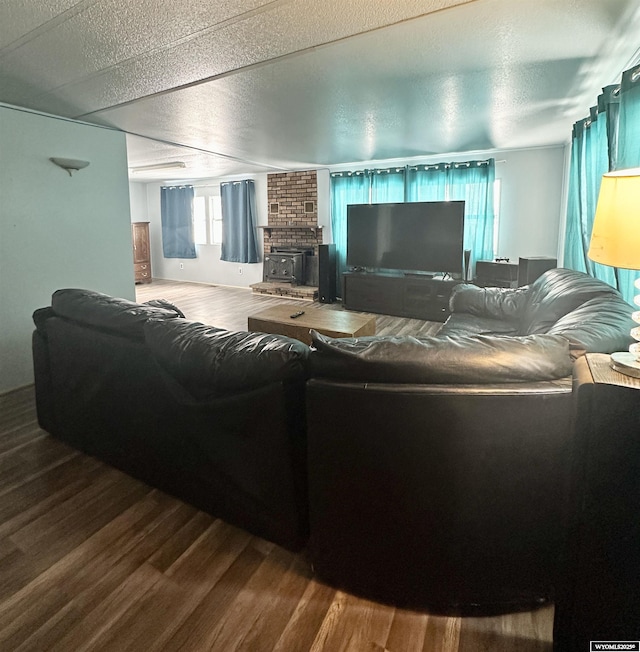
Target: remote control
[{"x": 297, "y": 314}]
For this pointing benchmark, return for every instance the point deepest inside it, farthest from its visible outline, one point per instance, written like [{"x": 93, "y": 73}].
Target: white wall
[
  {"x": 57, "y": 231},
  {"x": 324, "y": 205},
  {"x": 207, "y": 267},
  {"x": 138, "y": 202},
  {"x": 531, "y": 206},
  {"x": 532, "y": 192}
]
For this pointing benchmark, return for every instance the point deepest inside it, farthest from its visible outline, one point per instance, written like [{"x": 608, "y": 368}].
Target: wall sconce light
[{"x": 69, "y": 164}]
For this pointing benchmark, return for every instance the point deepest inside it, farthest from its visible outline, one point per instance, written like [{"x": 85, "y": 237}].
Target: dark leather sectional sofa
[
  {"x": 428, "y": 472},
  {"x": 214, "y": 417},
  {"x": 438, "y": 467}
]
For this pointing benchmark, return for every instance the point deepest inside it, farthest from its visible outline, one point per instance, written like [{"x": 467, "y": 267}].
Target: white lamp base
[{"x": 625, "y": 363}]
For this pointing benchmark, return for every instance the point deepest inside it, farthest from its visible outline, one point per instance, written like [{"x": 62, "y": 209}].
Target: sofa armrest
[
  {"x": 497, "y": 303},
  {"x": 40, "y": 317},
  {"x": 601, "y": 325},
  {"x": 106, "y": 313}
]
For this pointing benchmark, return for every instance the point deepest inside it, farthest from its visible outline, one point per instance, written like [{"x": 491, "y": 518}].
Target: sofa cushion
[
  {"x": 106, "y": 313},
  {"x": 464, "y": 323},
  {"x": 441, "y": 359},
  {"x": 555, "y": 294},
  {"x": 209, "y": 362},
  {"x": 495, "y": 303}
]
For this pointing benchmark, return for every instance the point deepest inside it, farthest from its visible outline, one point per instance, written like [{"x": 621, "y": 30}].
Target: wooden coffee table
[{"x": 334, "y": 323}]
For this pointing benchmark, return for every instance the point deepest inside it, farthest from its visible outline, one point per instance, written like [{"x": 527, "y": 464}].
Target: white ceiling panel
[
  {"x": 409, "y": 90},
  {"x": 96, "y": 66},
  {"x": 102, "y": 36},
  {"x": 241, "y": 86},
  {"x": 143, "y": 152},
  {"x": 19, "y": 17}
]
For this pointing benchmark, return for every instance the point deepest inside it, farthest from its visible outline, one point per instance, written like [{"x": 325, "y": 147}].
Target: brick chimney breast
[{"x": 293, "y": 211}]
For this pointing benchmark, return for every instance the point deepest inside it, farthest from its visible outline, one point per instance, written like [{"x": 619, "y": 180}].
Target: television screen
[{"x": 420, "y": 236}]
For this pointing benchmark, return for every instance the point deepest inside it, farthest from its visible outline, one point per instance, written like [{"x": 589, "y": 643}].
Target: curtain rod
[
  {"x": 217, "y": 183},
  {"x": 412, "y": 167}
]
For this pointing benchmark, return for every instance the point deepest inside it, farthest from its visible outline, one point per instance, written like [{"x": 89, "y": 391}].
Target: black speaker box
[
  {"x": 529, "y": 269},
  {"x": 467, "y": 261},
  {"x": 326, "y": 273},
  {"x": 499, "y": 274}
]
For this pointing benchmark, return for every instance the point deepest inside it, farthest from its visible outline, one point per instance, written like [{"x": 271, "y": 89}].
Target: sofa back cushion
[
  {"x": 441, "y": 359},
  {"x": 105, "y": 313},
  {"x": 557, "y": 293},
  {"x": 209, "y": 362}
]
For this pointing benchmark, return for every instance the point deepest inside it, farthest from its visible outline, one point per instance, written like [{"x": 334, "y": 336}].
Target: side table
[{"x": 598, "y": 595}]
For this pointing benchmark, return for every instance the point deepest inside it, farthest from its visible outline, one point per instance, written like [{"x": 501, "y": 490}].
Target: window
[
  {"x": 207, "y": 216},
  {"x": 200, "y": 221},
  {"x": 215, "y": 212}
]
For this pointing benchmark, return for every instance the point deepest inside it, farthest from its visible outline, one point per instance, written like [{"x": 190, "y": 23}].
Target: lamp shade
[{"x": 615, "y": 238}]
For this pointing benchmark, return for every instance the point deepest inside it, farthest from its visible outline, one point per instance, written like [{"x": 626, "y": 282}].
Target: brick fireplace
[{"x": 291, "y": 236}]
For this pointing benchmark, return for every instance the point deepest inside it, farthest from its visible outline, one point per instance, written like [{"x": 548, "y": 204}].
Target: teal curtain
[
  {"x": 575, "y": 255},
  {"x": 346, "y": 188},
  {"x": 427, "y": 182},
  {"x": 609, "y": 105},
  {"x": 629, "y": 121},
  {"x": 590, "y": 160},
  {"x": 597, "y": 161},
  {"x": 609, "y": 139},
  {"x": 176, "y": 210},
  {"x": 591, "y": 157},
  {"x": 628, "y": 154},
  {"x": 387, "y": 186},
  {"x": 473, "y": 182},
  {"x": 239, "y": 236}
]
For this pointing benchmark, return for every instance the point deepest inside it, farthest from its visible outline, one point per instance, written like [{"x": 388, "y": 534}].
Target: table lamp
[{"x": 615, "y": 241}]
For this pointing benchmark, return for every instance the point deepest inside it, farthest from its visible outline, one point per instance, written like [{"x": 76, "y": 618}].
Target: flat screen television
[{"x": 415, "y": 236}]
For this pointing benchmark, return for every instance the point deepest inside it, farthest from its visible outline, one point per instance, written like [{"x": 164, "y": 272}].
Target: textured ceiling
[{"x": 241, "y": 86}]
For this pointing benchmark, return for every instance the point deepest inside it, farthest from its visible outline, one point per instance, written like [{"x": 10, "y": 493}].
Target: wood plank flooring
[
  {"x": 93, "y": 560},
  {"x": 228, "y": 307}
]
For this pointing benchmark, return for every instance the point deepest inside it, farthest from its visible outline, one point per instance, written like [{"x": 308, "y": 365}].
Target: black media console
[{"x": 416, "y": 296}]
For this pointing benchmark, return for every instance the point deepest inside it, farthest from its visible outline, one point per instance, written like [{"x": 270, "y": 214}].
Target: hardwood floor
[
  {"x": 91, "y": 559},
  {"x": 228, "y": 307}
]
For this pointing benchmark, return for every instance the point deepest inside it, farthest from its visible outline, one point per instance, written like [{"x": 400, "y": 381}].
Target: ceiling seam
[
  {"x": 48, "y": 25},
  {"x": 229, "y": 157},
  {"x": 250, "y": 66},
  {"x": 227, "y": 22},
  {"x": 70, "y": 13}
]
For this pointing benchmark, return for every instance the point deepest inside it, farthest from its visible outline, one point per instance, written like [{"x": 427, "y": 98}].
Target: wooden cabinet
[
  {"x": 141, "y": 252},
  {"x": 414, "y": 296},
  {"x": 373, "y": 293}
]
